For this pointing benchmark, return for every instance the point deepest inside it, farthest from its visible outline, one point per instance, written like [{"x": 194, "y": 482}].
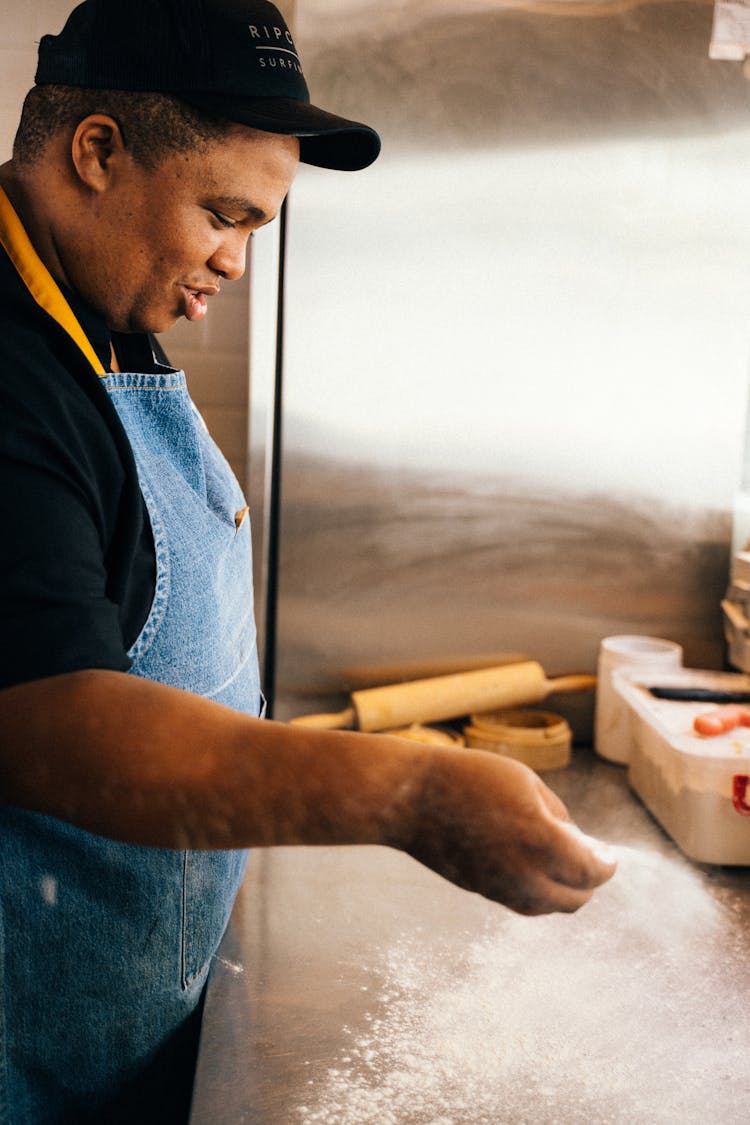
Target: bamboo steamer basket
[{"x": 539, "y": 739}]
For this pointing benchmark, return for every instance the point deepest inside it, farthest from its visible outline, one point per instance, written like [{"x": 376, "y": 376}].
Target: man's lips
[{"x": 196, "y": 300}]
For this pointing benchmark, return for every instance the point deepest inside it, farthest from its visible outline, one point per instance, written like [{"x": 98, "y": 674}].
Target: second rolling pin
[{"x": 447, "y": 697}]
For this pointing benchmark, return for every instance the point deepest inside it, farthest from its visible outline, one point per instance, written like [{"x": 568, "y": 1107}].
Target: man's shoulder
[
  {"x": 28, "y": 334},
  {"x": 54, "y": 411},
  {"x": 37, "y": 372}
]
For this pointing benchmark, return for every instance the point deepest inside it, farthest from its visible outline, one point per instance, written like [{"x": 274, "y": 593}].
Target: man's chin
[{"x": 152, "y": 323}]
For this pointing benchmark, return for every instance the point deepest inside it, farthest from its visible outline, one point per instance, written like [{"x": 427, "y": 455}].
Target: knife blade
[{"x": 699, "y": 695}]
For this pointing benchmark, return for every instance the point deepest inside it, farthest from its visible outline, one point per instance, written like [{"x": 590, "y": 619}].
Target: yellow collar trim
[{"x": 39, "y": 281}]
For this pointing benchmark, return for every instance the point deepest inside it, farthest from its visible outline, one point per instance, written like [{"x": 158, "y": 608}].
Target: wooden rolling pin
[{"x": 447, "y": 697}]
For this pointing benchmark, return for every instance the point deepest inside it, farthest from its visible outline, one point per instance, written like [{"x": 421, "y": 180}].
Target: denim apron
[{"x": 106, "y": 947}]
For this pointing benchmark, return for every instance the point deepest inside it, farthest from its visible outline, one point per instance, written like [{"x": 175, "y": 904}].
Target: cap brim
[{"x": 326, "y": 140}]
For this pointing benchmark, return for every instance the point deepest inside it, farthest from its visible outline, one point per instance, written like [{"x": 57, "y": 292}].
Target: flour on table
[{"x": 521, "y": 1025}]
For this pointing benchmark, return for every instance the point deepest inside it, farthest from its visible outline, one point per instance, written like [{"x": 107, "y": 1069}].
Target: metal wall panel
[{"x": 516, "y": 349}]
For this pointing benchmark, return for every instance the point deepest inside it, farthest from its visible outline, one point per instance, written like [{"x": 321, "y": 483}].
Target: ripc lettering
[{"x": 266, "y": 32}]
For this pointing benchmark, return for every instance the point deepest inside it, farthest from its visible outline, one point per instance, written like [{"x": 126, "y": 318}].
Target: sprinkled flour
[{"x": 522, "y": 1025}]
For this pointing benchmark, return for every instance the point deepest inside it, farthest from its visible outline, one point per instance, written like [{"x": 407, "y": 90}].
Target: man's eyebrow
[{"x": 238, "y": 203}]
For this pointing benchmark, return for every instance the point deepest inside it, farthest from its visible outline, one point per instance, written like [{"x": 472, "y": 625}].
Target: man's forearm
[{"x": 147, "y": 764}]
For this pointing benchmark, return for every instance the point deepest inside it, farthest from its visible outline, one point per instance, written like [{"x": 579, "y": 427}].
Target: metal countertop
[{"x": 354, "y": 987}]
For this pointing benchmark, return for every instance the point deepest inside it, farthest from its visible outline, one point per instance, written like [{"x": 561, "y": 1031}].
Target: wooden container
[{"x": 539, "y": 739}]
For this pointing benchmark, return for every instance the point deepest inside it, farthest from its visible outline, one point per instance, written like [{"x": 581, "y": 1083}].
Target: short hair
[{"x": 153, "y": 125}]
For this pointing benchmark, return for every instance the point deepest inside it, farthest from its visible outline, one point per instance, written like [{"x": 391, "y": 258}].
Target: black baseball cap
[{"x": 233, "y": 59}]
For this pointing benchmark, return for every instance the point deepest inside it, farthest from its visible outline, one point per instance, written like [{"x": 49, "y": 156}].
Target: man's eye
[{"x": 223, "y": 220}]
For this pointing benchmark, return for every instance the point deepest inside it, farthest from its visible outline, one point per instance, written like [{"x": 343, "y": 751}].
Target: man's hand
[{"x": 490, "y": 825}]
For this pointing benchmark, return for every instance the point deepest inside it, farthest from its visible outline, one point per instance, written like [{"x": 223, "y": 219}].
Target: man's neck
[{"x": 22, "y": 196}]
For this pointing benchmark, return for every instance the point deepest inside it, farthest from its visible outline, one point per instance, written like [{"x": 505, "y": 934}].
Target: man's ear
[{"x": 97, "y": 146}]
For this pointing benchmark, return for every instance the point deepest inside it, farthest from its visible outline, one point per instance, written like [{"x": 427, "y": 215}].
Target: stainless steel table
[{"x": 354, "y": 987}]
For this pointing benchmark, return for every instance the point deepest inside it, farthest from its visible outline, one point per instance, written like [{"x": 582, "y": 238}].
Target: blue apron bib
[{"x": 106, "y": 947}]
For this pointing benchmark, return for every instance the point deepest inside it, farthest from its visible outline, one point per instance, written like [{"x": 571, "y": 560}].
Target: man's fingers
[
  {"x": 553, "y": 802},
  {"x": 551, "y": 898},
  {"x": 582, "y": 862}
]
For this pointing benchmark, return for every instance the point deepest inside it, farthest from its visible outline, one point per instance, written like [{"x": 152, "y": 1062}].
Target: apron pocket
[{"x": 210, "y": 883}]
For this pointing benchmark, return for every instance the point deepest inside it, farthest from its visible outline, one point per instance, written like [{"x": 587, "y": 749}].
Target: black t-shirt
[{"x": 77, "y": 565}]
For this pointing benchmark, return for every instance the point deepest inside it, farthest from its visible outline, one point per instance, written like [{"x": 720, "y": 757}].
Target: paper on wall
[{"x": 730, "y": 35}]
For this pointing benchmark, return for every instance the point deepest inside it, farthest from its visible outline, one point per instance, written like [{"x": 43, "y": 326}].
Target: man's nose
[{"x": 229, "y": 259}]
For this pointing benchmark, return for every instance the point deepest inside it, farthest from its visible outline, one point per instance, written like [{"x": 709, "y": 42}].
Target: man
[{"x": 134, "y": 762}]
